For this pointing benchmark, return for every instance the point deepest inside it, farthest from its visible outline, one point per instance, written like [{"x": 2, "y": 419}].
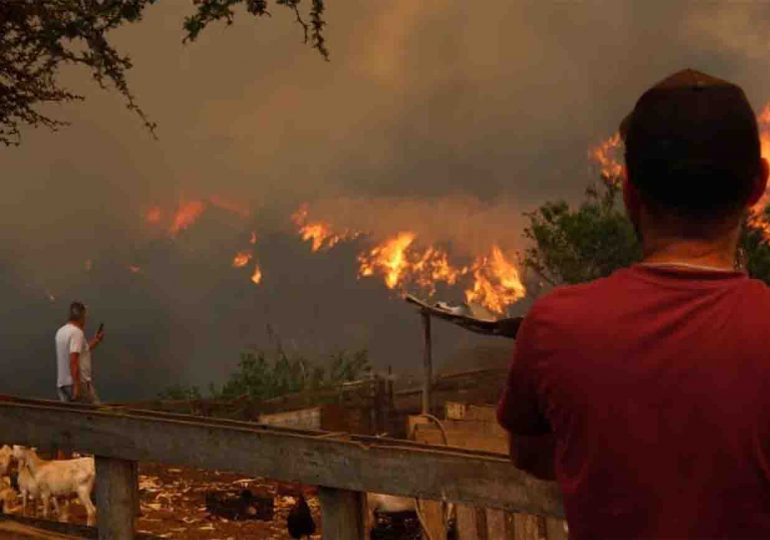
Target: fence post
[
  {"x": 115, "y": 496},
  {"x": 427, "y": 360},
  {"x": 342, "y": 513}
]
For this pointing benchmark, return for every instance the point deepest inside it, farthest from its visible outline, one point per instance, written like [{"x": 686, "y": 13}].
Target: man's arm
[
  {"x": 531, "y": 442},
  {"x": 75, "y": 372},
  {"x": 95, "y": 340}
]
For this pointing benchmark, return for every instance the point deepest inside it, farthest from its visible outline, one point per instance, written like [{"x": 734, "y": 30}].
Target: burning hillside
[{"x": 404, "y": 262}]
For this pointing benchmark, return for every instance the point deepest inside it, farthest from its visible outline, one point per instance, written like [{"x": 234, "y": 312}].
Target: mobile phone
[{"x": 101, "y": 328}]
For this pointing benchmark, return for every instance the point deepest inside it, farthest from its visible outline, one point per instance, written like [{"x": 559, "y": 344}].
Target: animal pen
[
  {"x": 344, "y": 466},
  {"x": 326, "y": 438}
]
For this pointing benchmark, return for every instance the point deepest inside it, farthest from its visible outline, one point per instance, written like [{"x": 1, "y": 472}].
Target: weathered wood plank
[
  {"x": 359, "y": 464},
  {"x": 466, "y": 522},
  {"x": 555, "y": 529},
  {"x": 342, "y": 514},
  {"x": 433, "y": 519},
  {"x": 115, "y": 492},
  {"x": 525, "y": 527},
  {"x": 496, "y": 526}
]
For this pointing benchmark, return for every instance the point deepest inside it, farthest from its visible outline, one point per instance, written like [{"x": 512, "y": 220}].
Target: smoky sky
[{"x": 424, "y": 102}]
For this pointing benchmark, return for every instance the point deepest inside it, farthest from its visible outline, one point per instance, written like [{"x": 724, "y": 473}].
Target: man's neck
[{"x": 703, "y": 253}]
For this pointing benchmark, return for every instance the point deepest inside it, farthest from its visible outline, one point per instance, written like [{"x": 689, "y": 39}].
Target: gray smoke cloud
[{"x": 449, "y": 118}]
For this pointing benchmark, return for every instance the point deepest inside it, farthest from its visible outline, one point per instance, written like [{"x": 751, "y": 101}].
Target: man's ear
[{"x": 760, "y": 182}]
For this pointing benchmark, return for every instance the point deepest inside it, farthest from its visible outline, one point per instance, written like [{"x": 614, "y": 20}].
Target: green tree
[
  {"x": 38, "y": 37},
  {"x": 263, "y": 375},
  {"x": 576, "y": 244}
]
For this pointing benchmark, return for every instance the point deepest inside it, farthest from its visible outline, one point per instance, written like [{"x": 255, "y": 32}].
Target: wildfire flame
[
  {"x": 496, "y": 282},
  {"x": 756, "y": 218},
  {"x": 186, "y": 214},
  {"x": 253, "y": 238},
  {"x": 319, "y": 233},
  {"x": 241, "y": 259},
  {"x": 490, "y": 280},
  {"x": 388, "y": 258},
  {"x": 606, "y": 157},
  {"x": 256, "y": 277}
]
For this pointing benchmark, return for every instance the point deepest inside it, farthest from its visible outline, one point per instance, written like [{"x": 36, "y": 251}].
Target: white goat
[
  {"x": 6, "y": 453},
  {"x": 28, "y": 489},
  {"x": 63, "y": 477}
]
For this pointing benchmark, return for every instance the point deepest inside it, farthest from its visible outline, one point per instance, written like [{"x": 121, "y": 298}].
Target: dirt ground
[{"x": 172, "y": 503}]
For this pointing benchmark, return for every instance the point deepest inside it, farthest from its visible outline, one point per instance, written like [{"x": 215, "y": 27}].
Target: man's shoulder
[
  {"x": 68, "y": 330},
  {"x": 566, "y": 297}
]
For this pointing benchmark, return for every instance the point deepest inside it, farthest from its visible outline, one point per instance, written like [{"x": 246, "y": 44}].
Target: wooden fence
[{"x": 344, "y": 466}]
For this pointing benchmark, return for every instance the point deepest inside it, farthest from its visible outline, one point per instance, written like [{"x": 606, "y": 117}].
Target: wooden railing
[{"x": 344, "y": 466}]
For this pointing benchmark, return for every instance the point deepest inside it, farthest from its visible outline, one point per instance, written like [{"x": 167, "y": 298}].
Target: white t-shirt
[{"x": 70, "y": 339}]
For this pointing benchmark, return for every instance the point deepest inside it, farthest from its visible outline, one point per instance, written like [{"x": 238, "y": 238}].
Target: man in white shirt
[{"x": 73, "y": 358}]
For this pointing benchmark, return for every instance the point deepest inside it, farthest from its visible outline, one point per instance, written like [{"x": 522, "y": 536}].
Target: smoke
[
  {"x": 450, "y": 119},
  {"x": 466, "y": 224}
]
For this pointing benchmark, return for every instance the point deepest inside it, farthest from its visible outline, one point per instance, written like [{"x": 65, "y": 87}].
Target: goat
[
  {"x": 6, "y": 453},
  {"x": 60, "y": 478}
]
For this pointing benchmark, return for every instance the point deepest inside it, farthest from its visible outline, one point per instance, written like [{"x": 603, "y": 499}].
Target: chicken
[{"x": 300, "y": 522}]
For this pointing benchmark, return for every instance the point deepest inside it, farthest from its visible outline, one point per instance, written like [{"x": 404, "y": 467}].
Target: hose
[{"x": 420, "y": 515}]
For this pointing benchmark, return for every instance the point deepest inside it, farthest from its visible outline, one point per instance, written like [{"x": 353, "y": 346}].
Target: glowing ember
[
  {"x": 256, "y": 277},
  {"x": 187, "y": 214},
  {"x": 153, "y": 215},
  {"x": 496, "y": 282},
  {"x": 134, "y": 269},
  {"x": 606, "y": 155},
  {"x": 320, "y": 234},
  {"x": 253, "y": 239},
  {"x": 241, "y": 259}
]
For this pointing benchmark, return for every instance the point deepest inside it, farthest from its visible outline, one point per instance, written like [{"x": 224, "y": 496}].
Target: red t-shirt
[{"x": 656, "y": 385}]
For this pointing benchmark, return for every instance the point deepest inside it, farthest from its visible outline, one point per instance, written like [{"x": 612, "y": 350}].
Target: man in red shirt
[{"x": 646, "y": 394}]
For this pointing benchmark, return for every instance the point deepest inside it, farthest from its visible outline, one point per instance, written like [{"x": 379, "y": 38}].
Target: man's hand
[{"x": 98, "y": 337}]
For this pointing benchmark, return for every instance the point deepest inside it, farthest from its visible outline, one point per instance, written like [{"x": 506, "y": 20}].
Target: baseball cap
[{"x": 692, "y": 131}]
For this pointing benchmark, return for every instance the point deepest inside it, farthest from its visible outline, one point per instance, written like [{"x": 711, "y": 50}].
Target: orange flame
[
  {"x": 186, "y": 214},
  {"x": 319, "y": 233},
  {"x": 606, "y": 157},
  {"x": 757, "y": 218},
  {"x": 241, "y": 259},
  {"x": 256, "y": 277},
  {"x": 388, "y": 258},
  {"x": 253, "y": 239},
  {"x": 491, "y": 280},
  {"x": 496, "y": 282}
]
